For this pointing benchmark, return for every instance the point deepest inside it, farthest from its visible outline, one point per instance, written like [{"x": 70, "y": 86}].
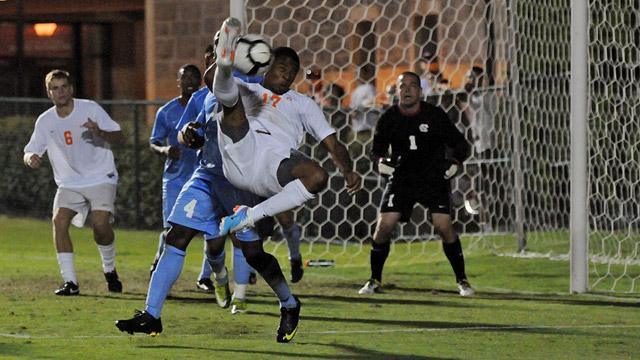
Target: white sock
[
  {"x": 225, "y": 88},
  {"x": 68, "y": 272},
  {"x": 108, "y": 254},
  {"x": 292, "y": 195},
  {"x": 240, "y": 291}
]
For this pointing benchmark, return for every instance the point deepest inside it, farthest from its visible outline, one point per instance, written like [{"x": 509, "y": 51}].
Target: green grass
[{"x": 522, "y": 309}]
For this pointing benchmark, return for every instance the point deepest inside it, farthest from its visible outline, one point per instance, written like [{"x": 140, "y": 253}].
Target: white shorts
[
  {"x": 252, "y": 163},
  {"x": 85, "y": 199}
]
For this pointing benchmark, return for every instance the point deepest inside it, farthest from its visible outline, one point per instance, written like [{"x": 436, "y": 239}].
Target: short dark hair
[
  {"x": 192, "y": 69},
  {"x": 411, "y": 73},
  {"x": 286, "y": 52},
  {"x": 56, "y": 74}
]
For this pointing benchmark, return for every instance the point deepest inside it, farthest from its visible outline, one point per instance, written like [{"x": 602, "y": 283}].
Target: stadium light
[{"x": 45, "y": 29}]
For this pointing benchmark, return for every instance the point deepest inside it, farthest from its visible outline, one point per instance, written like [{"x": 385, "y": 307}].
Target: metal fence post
[{"x": 136, "y": 162}]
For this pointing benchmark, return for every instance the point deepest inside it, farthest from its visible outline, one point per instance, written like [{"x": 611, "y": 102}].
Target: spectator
[
  {"x": 429, "y": 72},
  {"x": 77, "y": 134}
]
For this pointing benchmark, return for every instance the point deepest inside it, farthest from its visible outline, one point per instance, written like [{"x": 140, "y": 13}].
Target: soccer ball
[{"x": 253, "y": 55}]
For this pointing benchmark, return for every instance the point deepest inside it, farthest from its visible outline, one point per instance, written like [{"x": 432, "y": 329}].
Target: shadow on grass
[
  {"x": 418, "y": 325},
  {"x": 553, "y": 299},
  {"x": 347, "y": 352},
  {"x": 376, "y": 299}
]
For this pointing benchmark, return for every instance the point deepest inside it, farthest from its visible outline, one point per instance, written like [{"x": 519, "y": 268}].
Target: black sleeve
[
  {"x": 454, "y": 138},
  {"x": 381, "y": 137}
]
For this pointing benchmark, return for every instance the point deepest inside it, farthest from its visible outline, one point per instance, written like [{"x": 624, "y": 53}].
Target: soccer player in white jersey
[
  {"x": 261, "y": 128},
  {"x": 77, "y": 134}
]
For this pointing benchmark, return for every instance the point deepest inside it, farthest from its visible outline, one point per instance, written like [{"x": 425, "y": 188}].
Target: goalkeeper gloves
[
  {"x": 386, "y": 166},
  {"x": 453, "y": 170},
  {"x": 189, "y": 135}
]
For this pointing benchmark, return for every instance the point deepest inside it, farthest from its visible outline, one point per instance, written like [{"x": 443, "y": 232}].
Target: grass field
[{"x": 522, "y": 309}]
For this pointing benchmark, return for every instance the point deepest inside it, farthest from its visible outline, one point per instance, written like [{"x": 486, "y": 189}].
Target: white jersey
[
  {"x": 285, "y": 117},
  {"x": 78, "y": 158}
]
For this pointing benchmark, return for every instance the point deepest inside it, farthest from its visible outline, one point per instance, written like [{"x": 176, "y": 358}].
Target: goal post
[{"x": 579, "y": 222}]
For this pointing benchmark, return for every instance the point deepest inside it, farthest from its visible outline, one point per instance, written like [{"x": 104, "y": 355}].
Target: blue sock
[
  {"x": 241, "y": 268},
  {"x": 167, "y": 272},
  {"x": 284, "y": 294},
  {"x": 217, "y": 266},
  {"x": 205, "y": 271},
  {"x": 292, "y": 235}
]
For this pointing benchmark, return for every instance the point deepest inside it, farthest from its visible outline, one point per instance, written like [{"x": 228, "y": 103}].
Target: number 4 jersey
[{"x": 78, "y": 157}]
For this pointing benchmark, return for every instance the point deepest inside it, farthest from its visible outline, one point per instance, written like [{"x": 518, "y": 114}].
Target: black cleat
[
  {"x": 205, "y": 285},
  {"x": 288, "y": 322},
  {"x": 113, "y": 283},
  {"x": 141, "y": 322},
  {"x": 68, "y": 289},
  {"x": 296, "y": 270},
  {"x": 253, "y": 279}
]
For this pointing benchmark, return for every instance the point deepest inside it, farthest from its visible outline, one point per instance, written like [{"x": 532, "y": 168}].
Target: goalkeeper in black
[{"x": 427, "y": 150}]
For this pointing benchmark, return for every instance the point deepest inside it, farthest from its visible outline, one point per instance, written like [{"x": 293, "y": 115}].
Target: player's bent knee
[
  {"x": 317, "y": 180},
  {"x": 179, "y": 236}
]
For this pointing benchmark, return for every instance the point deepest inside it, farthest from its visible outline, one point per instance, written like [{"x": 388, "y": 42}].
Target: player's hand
[
  {"x": 452, "y": 171},
  {"x": 386, "y": 166},
  {"x": 32, "y": 160},
  {"x": 173, "y": 152},
  {"x": 92, "y": 126},
  {"x": 353, "y": 182},
  {"x": 188, "y": 135}
]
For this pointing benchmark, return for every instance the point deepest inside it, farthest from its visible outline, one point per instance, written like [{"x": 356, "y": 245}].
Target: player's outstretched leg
[
  {"x": 453, "y": 251},
  {"x": 226, "y": 47},
  {"x": 380, "y": 246},
  {"x": 270, "y": 270}
]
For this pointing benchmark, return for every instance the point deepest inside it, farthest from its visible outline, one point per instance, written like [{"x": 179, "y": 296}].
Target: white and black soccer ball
[{"x": 252, "y": 56}]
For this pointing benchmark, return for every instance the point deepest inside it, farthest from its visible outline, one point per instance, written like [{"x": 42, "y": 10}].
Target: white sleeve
[
  {"x": 38, "y": 142},
  {"x": 313, "y": 119},
  {"x": 103, "y": 119}
]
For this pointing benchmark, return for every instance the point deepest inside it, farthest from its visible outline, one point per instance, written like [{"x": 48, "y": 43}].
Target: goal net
[{"x": 514, "y": 195}]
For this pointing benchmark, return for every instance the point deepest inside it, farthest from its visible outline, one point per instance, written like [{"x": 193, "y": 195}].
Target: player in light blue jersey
[{"x": 190, "y": 111}]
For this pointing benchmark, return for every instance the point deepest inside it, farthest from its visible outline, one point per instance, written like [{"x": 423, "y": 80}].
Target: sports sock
[
  {"x": 67, "y": 270},
  {"x": 379, "y": 254},
  {"x": 205, "y": 269},
  {"x": 240, "y": 291},
  {"x": 270, "y": 270},
  {"x": 292, "y": 235},
  {"x": 167, "y": 272},
  {"x": 241, "y": 268},
  {"x": 453, "y": 252},
  {"x": 224, "y": 87},
  {"x": 292, "y": 195},
  {"x": 108, "y": 254},
  {"x": 217, "y": 266}
]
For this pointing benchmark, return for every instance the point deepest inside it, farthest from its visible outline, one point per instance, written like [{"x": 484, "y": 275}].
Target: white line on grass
[{"x": 333, "y": 332}]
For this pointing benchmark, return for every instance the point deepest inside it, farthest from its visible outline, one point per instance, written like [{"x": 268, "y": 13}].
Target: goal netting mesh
[{"x": 514, "y": 196}]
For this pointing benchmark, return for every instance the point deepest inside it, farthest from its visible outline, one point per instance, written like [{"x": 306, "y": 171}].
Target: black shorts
[{"x": 401, "y": 198}]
